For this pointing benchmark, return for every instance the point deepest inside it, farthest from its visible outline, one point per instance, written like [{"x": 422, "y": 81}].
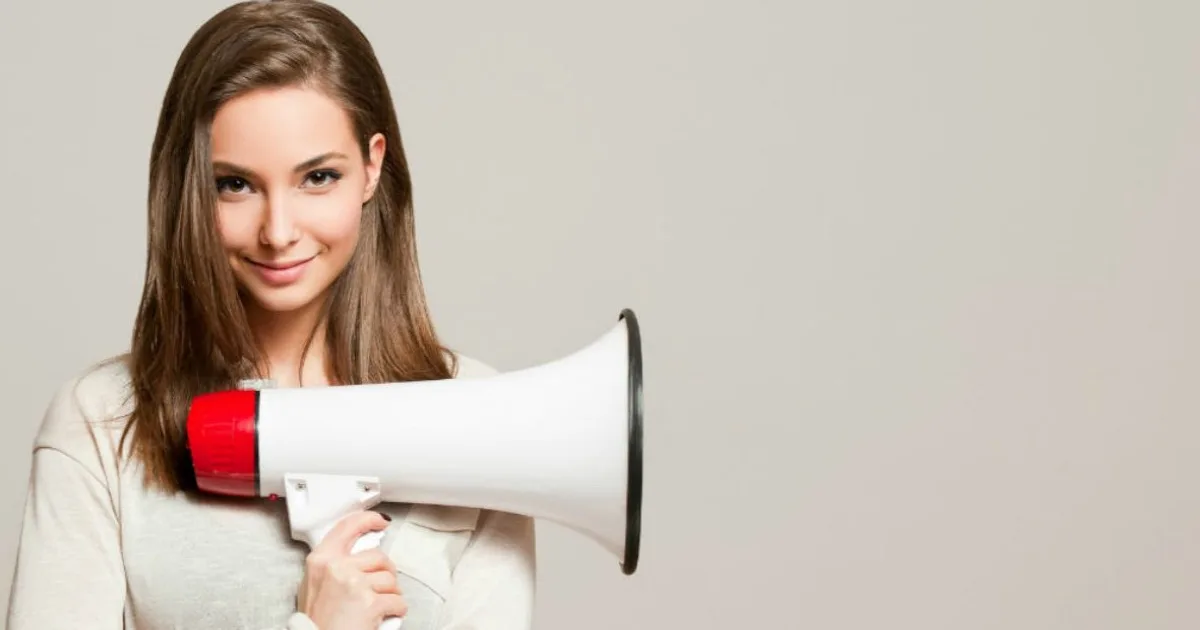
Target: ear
[{"x": 375, "y": 151}]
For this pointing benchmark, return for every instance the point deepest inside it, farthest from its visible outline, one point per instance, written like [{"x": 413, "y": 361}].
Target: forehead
[{"x": 273, "y": 129}]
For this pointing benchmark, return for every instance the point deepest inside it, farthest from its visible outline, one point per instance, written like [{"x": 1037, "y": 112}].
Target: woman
[{"x": 281, "y": 247}]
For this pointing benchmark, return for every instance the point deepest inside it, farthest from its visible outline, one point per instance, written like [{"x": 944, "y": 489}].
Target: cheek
[
  {"x": 237, "y": 225},
  {"x": 336, "y": 227}
]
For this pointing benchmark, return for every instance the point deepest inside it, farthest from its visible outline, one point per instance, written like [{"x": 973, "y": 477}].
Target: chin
[{"x": 280, "y": 301}]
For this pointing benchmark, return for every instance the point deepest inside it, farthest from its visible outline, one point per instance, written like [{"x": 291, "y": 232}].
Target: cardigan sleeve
[{"x": 69, "y": 571}]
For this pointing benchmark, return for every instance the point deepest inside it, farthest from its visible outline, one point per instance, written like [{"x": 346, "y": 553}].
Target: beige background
[{"x": 918, "y": 280}]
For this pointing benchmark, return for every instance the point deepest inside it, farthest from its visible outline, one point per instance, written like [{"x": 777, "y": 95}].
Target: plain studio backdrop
[{"x": 918, "y": 281}]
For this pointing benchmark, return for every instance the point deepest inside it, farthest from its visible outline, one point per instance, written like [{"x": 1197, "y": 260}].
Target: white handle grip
[
  {"x": 316, "y": 502},
  {"x": 371, "y": 540}
]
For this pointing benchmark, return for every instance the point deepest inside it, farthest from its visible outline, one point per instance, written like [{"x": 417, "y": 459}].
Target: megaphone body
[{"x": 560, "y": 442}]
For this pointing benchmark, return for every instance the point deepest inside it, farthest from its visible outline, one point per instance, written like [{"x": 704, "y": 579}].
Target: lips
[
  {"x": 280, "y": 273},
  {"x": 280, "y": 266}
]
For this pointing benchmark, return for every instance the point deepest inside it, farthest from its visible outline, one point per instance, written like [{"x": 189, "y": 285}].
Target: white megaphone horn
[{"x": 561, "y": 442}]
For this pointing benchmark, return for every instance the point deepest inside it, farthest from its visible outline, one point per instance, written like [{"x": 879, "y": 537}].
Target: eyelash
[{"x": 332, "y": 175}]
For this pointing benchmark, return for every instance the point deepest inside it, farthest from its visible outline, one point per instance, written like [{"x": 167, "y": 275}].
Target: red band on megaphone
[{"x": 223, "y": 439}]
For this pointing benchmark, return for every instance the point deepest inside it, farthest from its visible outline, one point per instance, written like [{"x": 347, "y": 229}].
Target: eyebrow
[{"x": 301, "y": 167}]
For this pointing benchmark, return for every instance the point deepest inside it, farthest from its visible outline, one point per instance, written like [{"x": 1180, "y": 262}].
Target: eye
[
  {"x": 322, "y": 178},
  {"x": 232, "y": 184}
]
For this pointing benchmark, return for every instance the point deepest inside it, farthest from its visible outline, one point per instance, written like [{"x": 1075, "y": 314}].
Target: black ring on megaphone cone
[{"x": 633, "y": 500}]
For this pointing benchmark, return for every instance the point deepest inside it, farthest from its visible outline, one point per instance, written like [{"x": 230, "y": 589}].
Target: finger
[
  {"x": 384, "y": 582},
  {"x": 390, "y": 605},
  {"x": 371, "y": 560},
  {"x": 348, "y": 530}
]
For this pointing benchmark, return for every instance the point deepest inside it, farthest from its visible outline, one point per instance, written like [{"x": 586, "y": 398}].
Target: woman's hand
[{"x": 344, "y": 591}]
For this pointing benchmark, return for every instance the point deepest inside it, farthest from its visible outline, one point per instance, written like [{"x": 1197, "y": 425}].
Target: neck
[{"x": 283, "y": 337}]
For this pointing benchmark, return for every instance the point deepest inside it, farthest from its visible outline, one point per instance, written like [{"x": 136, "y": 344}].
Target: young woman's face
[{"x": 291, "y": 184}]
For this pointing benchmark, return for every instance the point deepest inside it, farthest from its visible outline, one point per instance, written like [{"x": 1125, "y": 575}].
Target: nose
[{"x": 279, "y": 229}]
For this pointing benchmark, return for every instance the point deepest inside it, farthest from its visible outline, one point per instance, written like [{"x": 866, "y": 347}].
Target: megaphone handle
[
  {"x": 371, "y": 540},
  {"x": 316, "y": 502}
]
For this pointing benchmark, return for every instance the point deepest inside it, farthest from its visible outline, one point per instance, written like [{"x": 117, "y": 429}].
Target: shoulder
[
  {"x": 87, "y": 411},
  {"x": 470, "y": 367}
]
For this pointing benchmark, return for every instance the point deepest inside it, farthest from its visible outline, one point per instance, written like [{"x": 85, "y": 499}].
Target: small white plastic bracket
[{"x": 315, "y": 503}]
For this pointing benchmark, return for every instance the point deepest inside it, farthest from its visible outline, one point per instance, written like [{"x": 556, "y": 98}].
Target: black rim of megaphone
[{"x": 633, "y": 505}]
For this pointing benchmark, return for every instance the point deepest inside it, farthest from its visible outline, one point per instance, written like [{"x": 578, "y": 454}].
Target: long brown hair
[{"x": 191, "y": 333}]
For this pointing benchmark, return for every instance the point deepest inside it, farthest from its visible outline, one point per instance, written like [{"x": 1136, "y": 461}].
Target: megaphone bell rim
[{"x": 633, "y": 509}]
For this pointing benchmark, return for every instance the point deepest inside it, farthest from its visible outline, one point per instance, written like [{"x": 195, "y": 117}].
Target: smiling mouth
[{"x": 280, "y": 266}]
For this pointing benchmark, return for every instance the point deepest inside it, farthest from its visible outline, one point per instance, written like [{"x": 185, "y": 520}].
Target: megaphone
[{"x": 560, "y": 442}]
